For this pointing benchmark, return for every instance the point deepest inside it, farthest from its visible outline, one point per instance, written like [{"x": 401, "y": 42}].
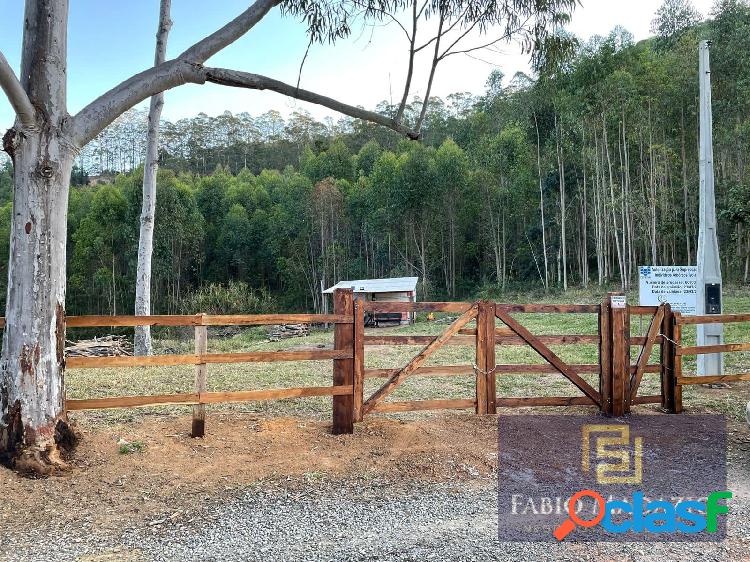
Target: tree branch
[
  {"x": 176, "y": 73},
  {"x": 206, "y": 48},
  {"x": 506, "y": 36},
  {"x": 93, "y": 118},
  {"x": 17, "y": 96},
  {"x": 460, "y": 37},
  {"x": 103, "y": 110},
  {"x": 457, "y": 21},
  {"x": 259, "y": 82},
  {"x": 382, "y": 12},
  {"x": 435, "y": 61},
  {"x": 410, "y": 70}
]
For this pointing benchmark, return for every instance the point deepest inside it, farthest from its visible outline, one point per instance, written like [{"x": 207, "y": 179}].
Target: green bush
[{"x": 236, "y": 297}]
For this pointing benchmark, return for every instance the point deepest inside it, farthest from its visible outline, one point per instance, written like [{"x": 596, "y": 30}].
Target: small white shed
[{"x": 394, "y": 289}]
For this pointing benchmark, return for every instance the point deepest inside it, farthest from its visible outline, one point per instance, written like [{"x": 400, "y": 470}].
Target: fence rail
[
  {"x": 685, "y": 351},
  {"x": 208, "y": 358},
  {"x": 712, "y": 319},
  {"x": 206, "y": 397},
  {"x": 468, "y": 337}
]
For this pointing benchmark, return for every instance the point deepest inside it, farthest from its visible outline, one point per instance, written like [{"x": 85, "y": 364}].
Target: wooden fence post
[
  {"x": 343, "y": 369},
  {"x": 667, "y": 360},
  {"x": 201, "y": 376},
  {"x": 482, "y": 342},
  {"x": 677, "y": 389},
  {"x": 359, "y": 358},
  {"x": 620, "y": 325},
  {"x": 605, "y": 357},
  {"x": 490, "y": 362}
]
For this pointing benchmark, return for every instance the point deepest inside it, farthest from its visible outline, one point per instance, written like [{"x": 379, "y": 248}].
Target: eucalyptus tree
[
  {"x": 142, "y": 343},
  {"x": 45, "y": 138},
  {"x": 672, "y": 19}
]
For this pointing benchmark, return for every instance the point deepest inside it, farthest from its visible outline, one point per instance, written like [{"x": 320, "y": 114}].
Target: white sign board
[
  {"x": 674, "y": 284},
  {"x": 618, "y": 301}
]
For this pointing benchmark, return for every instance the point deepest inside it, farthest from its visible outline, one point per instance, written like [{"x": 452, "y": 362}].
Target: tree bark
[
  {"x": 33, "y": 426},
  {"x": 563, "y": 204},
  {"x": 541, "y": 204},
  {"x": 142, "y": 341}
]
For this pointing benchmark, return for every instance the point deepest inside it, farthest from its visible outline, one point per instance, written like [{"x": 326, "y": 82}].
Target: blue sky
[{"x": 110, "y": 40}]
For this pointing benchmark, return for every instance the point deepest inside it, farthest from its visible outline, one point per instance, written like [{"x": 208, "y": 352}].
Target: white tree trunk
[
  {"x": 142, "y": 344},
  {"x": 541, "y": 205},
  {"x": 32, "y": 365}
]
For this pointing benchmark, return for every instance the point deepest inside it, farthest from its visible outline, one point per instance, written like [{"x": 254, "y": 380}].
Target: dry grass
[{"x": 94, "y": 383}]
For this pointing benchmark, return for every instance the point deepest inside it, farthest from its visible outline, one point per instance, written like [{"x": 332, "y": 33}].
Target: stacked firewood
[
  {"x": 106, "y": 346},
  {"x": 285, "y": 331}
]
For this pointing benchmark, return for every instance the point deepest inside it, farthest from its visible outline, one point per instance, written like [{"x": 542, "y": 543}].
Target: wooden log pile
[
  {"x": 106, "y": 346},
  {"x": 286, "y": 331}
]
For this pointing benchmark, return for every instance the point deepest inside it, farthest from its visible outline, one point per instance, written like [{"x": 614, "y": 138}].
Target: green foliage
[
  {"x": 254, "y": 213},
  {"x": 235, "y": 297},
  {"x": 336, "y": 162},
  {"x": 6, "y": 183},
  {"x": 366, "y": 158},
  {"x": 127, "y": 448},
  {"x": 673, "y": 18}
]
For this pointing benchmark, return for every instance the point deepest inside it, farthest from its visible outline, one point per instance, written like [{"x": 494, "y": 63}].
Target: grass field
[{"x": 96, "y": 383}]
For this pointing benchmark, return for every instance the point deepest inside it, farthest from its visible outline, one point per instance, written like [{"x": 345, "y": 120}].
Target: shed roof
[{"x": 391, "y": 285}]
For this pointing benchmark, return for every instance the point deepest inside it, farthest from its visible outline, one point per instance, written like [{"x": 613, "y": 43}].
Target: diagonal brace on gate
[
  {"x": 651, "y": 335},
  {"x": 548, "y": 355},
  {"x": 419, "y": 359}
]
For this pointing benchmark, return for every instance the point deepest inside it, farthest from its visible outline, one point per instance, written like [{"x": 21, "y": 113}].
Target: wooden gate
[
  {"x": 591, "y": 395},
  {"x": 619, "y": 381},
  {"x": 395, "y": 377},
  {"x": 658, "y": 332}
]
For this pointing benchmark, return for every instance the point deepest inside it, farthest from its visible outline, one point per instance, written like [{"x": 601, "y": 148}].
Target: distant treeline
[{"x": 608, "y": 143}]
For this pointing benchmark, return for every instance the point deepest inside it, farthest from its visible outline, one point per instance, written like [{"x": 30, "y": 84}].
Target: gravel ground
[{"x": 358, "y": 520}]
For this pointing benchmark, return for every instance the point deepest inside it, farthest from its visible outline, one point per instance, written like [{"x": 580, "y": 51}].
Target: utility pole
[{"x": 709, "y": 266}]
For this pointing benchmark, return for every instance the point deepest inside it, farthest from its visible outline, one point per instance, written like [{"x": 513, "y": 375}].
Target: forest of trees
[{"x": 569, "y": 179}]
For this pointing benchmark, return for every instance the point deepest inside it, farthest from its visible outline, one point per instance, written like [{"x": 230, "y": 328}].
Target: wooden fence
[
  {"x": 342, "y": 354},
  {"x": 678, "y": 352},
  {"x": 496, "y": 324}
]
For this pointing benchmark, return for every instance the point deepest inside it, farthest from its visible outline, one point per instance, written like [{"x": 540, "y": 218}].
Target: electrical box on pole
[{"x": 709, "y": 265}]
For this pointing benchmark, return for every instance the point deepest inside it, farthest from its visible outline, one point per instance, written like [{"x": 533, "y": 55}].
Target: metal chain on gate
[
  {"x": 478, "y": 371},
  {"x": 670, "y": 340}
]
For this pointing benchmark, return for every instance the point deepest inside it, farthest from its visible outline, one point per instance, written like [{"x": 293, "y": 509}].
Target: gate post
[
  {"x": 667, "y": 360},
  {"x": 480, "y": 363},
  {"x": 359, "y": 358},
  {"x": 620, "y": 362},
  {"x": 486, "y": 388},
  {"x": 343, "y": 369},
  {"x": 676, "y": 388},
  {"x": 490, "y": 360}
]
